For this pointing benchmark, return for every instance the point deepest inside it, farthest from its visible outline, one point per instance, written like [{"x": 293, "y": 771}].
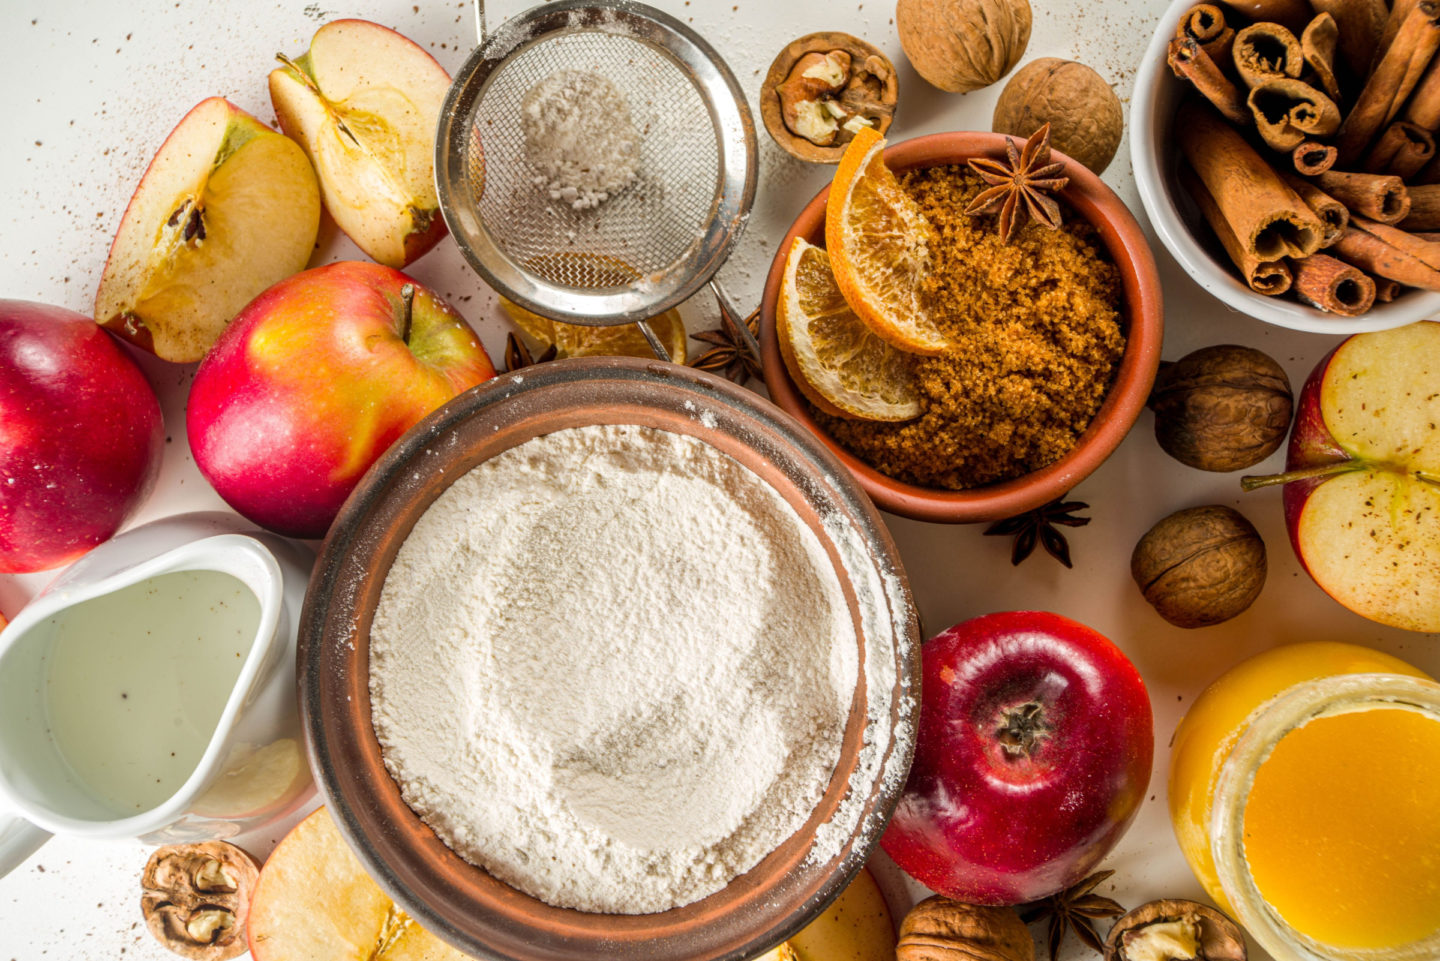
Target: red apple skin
[
  {"x": 81, "y": 436},
  {"x": 312, "y": 382},
  {"x": 981, "y": 824},
  {"x": 1311, "y": 445}
]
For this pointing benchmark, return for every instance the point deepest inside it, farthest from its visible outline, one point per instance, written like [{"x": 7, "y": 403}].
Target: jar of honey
[{"x": 1305, "y": 794}]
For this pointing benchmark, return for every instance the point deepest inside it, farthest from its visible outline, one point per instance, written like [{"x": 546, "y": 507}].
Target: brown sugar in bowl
[{"x": 1141, "y": 313}]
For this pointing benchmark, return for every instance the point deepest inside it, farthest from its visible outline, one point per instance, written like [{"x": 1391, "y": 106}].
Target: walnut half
[
  {"x": 1175, "y": 930},
  {"x": 822, "y": 90},
  {"x": 196, "y": 897}
]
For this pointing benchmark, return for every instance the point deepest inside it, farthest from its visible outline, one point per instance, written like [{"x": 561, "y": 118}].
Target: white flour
[
  {"x": 612, "y": 667},
  {"x": 578, "y": 131}
]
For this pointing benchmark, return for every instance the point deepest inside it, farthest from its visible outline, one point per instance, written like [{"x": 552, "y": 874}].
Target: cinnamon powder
[{"x": 1036, "y": 335}]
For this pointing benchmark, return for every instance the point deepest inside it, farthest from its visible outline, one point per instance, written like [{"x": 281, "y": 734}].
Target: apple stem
[
  {"x": 1254, "y": 482},
  {"x": 407, "y": 297}
]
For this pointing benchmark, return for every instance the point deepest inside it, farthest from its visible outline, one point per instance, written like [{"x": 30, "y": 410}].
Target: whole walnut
[
  {"x": 963, "y": 45},
  {"x": 1081, "y": 109},
  {"x": 1200, "y": 566},
  {"x": 939, "y": 929},
  {"x": 1221, "y": 408}
]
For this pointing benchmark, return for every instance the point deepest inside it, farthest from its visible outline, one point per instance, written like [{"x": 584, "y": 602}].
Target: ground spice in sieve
[{"x": 1036, "y": 335}]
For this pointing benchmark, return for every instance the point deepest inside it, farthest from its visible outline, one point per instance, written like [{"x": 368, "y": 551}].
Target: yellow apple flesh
[
  {"x": 314, "y": 902},
  {"x": 227, "y": 208},
  {"x": 855, "y": 927},
  {"x": 364, "y": 103}
]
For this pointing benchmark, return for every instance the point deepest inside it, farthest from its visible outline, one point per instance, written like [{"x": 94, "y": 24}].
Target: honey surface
[{"x": 1342, "y": 828}]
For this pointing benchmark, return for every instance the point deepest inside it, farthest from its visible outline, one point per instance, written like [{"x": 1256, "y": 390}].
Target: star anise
[
  {"x": 730, "y": 355},
  {"x": 1039, "y": 526},
  {"x": 1019, "y": 183},
  {"x": 517, "y": 355},
  {"x": 1074, "y": 908}
]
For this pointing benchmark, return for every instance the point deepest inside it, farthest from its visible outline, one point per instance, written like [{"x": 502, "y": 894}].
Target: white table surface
[{"x": 91, "y": 89}]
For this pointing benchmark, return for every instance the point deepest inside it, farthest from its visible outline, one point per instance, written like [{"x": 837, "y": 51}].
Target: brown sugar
[{"x": 1036, "y": 339}]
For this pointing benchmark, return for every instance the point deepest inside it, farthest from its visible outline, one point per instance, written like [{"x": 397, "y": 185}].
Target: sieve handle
[
  {"x": 479, "y": 22},
  {"x": 655, "y": 344}
]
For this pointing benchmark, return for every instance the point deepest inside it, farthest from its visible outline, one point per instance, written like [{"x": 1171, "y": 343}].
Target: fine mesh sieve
[{"x": 652, "y": 244}]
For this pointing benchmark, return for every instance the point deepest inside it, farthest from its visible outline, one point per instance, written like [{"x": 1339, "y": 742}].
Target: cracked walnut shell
[
  {"x": 196, "y": 899},
  {"x": 939, "y": 929},
  {"x": 824, "y": 88},
  {"x": 1082, "y": 110},
  {"x": 1174, "y": 928},
  {"x": 963, "y": 45}
]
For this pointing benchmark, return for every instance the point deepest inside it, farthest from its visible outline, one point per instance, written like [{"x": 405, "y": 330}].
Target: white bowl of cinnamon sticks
[{"x": 1285, "y": 151}]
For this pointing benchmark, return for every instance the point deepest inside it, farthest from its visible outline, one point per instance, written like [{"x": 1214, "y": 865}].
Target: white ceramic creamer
[{"x": 149, "y": 691}]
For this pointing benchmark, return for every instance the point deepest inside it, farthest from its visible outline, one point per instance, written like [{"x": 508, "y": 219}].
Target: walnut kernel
[
  {"x": 1175, "y": 930},
  {"x": 196, "y": 898},
  {"x": 822, "y": 90}
]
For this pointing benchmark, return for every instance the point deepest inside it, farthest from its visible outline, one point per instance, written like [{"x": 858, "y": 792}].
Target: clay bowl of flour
[{"x": 460, "y": 681}]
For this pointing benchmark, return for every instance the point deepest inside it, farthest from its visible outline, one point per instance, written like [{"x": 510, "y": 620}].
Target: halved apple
[
  {"x": 226, "y": 208},
  {"x": 1362, "y": 495},
  {"x": 314, "y": 902},
  {"x": 855, "y": 927},
  {"x": 364, "y": 102}
]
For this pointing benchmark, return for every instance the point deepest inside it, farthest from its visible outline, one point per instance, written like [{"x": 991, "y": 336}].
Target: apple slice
[
  {"x": 364, "y": 102},
  {"x": 1362, "y": 496},
  {"x": 855, "y": 927},
  {"x": 227, "y": 208},
  {"x": 314, "y": 902}
]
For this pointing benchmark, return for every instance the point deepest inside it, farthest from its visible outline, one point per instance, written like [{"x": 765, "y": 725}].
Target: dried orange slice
[
  {"x": 578, "y": 340},
  {"x": 879, "y": 244},
  {"x": 837, "y": 361}
]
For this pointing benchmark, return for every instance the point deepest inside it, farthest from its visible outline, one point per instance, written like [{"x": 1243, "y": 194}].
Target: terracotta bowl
[
  {"x": 1141, "y": 314},
  {"x": 462, "y": 903}
]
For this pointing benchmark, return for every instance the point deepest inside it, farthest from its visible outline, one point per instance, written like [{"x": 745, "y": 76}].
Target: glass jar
[{"x": 1285, "y": 745}]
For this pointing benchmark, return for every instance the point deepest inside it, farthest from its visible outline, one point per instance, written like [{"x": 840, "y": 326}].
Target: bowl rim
[
  {"x": 329, "y": 622},
  {"x": 1143, "y": 312},
  {"x": 1175, "y": 235}
]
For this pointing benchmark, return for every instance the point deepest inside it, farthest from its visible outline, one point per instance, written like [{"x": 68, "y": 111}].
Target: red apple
[
  {"x": 80, "y": 436},
  {"x": 313, "y": 380},
  {"x": 1032, "y": 757},
  {"x": 1362, "y": 495}
]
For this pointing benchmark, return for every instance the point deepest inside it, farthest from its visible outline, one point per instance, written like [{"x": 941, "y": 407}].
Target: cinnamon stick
[
  {"x": 1189, "y": 61},
  {"x": 1332, "y": 213},
  {"x": 1269, "y": 277},
  {"x": 1430, "y": 236},
  {"x": 1267, "y": 51},
  {"x": 1386, "y": 289},
  {"x": 1424, "y": 209},
  {"x": 1403, "y": 149},
  {"x": 1317, "y": 46},
  {"x": 1291, "y": 13},
  {"x": 1269, "y": 219},
  {"x": 1205, "y": 24},
  {"x": 1287, "y": 112},
  {"x": 1377, "y": 196},
  {"x": 1312, "y": 157},
  {"x": 1423, "y": 110},
  {"x": 1394, "y": 20},
  {"x": 1333, "y": 285},
  {"x": 1375, "y": 256},
  {"x": 1425, "y": 251},
  {"x": 1395, "y": 76},
  {"x": 1360, "y": 24}
]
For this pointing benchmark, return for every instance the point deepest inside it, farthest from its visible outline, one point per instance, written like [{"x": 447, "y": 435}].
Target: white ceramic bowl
[{"x": 1183, "y": 231}]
